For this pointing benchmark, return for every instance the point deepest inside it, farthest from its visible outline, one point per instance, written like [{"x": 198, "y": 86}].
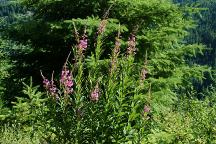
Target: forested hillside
[
  {"x": 114, "y": 71},
  {"x": 205, "y": 32}
]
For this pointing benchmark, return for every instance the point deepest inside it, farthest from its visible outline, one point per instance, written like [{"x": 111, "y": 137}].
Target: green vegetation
[{"x": 115, "y": 71}]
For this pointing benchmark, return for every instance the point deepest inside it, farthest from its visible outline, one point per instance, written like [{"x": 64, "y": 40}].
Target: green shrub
[{"x": 15, "y": 135}]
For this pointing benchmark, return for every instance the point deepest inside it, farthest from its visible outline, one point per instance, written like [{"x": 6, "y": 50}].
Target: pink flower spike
[
  {"x": 95, "y": 94},
  {"x": 66, "y": 81},
  {"x": 50, "y": 86},
  {"x": 102, "y": 26},
  {"x": 83, "y": 44},
  {"x": 131, "y": 45},
  {"x": 46, "y": 83},
  {"x": 146, "y": 109},
  {"x": 144, "y": 72}
]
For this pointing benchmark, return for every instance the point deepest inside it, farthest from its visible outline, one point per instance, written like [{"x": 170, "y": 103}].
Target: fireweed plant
[{"x": 100, "y": 101}]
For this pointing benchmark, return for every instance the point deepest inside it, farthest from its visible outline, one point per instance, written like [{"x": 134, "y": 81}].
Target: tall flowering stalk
[
  {"x": 144, "y": 70},
  {"x": 50, "y": 86},
  {"x": 95, "y": 94},
  {"x": 82, "y": 42},
  {"x": 82, "y": 46},
  {"x": 131, "y": 45},
  {"x": 146, "y": 111},
  {"x": 115, "y": 55},
  {"x": 102, "y": 26},
  {"x": 66, "y": 81},
  {"x": 98, "y": 43},
  {"x": 103, "y": 23}
]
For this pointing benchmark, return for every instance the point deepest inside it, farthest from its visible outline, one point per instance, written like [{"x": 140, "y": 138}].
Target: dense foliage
[
  {"x": 115, "y": 71},
  {"x": 205, "y": 34}
]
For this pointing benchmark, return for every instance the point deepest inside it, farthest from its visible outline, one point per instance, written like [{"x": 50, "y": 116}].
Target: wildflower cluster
[
  {"x": 66, "y": 81},
  {"x": 143, "y": 74},
  {"x": 95, "y": 94},
  {"x": 131, "y": 45},
  {"x": 50, "y": 86},
  {"x": 102, "y": 26},
  {"x": 83, "y": 43},
  {"x": 114, "y": 85},
  {"x": 116, "y": 52},
  {"x": 146, "y": 109}
]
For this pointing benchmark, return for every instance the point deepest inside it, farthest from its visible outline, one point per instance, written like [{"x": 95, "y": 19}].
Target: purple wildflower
[
  {"x": 53, "y": 90},
  {"x": 83, "y": 43},
  {"x": 95, "y": 94},
  {"x": 117, "y": 46},
  {"x": 102, "y": 26},
  {"x": 146, "y": 109},
  {"x": 46, "y": 83},
  {"x": 115, "y": 55},
  {"x": 50, "y": 86},
  {"x": 131, "y": 45},
  {"x": 143, "y": 74},
  {"x": 66, "y": 81}
]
